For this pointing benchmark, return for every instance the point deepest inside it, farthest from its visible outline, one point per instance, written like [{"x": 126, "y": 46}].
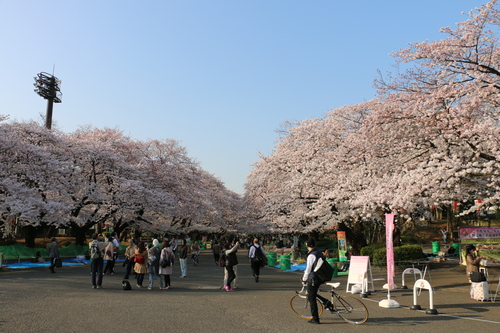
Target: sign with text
[
  {"x": 341, "y": 237},
  {"x": 359, "y": 270},
  {"x": 472, "y": 235}
]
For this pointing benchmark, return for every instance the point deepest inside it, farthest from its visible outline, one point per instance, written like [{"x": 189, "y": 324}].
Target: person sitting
[{"x": 38, "y": 258}]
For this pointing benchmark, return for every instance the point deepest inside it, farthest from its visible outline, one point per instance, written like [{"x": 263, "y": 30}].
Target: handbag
[
  {"x": 57, "y": 262},
  {"x": 139, "y": 259},
  {"x": 477, "y": 277}
]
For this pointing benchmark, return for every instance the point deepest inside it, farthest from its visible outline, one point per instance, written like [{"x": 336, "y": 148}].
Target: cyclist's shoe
[{"x": 313, "y": 321}]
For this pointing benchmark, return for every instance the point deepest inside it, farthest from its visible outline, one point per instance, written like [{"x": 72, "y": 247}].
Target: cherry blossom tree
[
  {"x": 93, "y": 177},
  {"x": 430, "y": 137}
]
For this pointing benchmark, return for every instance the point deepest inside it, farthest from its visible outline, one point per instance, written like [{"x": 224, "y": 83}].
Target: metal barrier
[
  {"x": 423, "y": 284},
  {"x": 413, "y": 271}
]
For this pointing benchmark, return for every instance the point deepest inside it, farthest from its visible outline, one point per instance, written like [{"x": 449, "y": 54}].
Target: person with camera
[
  {"x": 97, "y": 256},
  {"x": 472, "y": 260}
]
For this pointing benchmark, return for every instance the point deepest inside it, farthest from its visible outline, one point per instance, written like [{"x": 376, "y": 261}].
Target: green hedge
[
  {"x": 19, "y": 250},
  {"x": 402, "y": 255},
  {"x": 370, "y": 249}
]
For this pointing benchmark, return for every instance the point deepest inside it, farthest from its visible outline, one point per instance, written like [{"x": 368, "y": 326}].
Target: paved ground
[{"x": 33, "y": 300}]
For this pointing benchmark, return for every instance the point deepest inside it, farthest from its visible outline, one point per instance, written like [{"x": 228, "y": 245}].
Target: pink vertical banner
[{"x": 389, "y": 228}]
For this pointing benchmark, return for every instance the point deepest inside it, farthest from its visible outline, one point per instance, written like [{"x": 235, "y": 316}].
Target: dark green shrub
[
  {"x": 402, "y": 255},
  {"x": 370, "y": 249}
]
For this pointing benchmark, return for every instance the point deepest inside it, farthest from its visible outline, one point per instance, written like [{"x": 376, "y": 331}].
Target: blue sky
[{"x": 219, "y": 76}]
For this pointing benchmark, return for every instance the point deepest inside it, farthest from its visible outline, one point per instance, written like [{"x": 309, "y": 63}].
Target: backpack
[
  {"x": 126, "y": 285},
  {"x": 259, "y": 256},
  {"x": 223, "y": 259},
  {"x": 167, "y": 261},
  {"x": 95, "y": 253},
  {"x": 323, "y": 270}
]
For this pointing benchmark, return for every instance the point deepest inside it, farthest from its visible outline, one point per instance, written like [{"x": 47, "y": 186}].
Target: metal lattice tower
[{"x": 47, "y": 86}]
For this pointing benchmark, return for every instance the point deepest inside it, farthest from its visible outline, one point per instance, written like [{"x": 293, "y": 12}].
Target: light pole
[{"x": 47, "y": 86}]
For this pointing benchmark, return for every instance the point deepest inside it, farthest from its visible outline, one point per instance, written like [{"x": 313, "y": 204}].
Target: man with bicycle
[{"x": 312, "y": 281}]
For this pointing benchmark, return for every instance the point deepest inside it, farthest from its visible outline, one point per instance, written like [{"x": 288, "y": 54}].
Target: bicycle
[
  {"x": 194, "y": 257},
  {"x": 349, "y": 308}
]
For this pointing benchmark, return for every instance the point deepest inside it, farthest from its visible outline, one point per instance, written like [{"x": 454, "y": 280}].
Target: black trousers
[
  {"x": 97, "y": 265},
  {"x": 52, "y": 263},
  {"x": 167, "y": 280},
  {"x": 140, "y": 279},
  {"x": 255, "y": 264},
  {"x": 230, "y": 275},
  {"x": 130, "y": 265},
  {"x": 312, "y": 293}
]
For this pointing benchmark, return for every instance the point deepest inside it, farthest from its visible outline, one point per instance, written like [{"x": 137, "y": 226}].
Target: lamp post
[{"x": 47, "y": 86}]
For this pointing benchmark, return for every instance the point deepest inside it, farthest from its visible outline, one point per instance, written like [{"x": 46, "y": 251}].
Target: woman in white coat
[{"x": 166, "y": 251}]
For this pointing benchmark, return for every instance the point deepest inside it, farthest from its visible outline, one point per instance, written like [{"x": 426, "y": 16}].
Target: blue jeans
[
  {"x": 183, "y": 263},
  {"x": 151, "y": 278}
]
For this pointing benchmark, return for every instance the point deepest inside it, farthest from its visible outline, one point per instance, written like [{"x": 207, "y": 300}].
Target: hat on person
[
  {"x": 155, "y": 242},
  {"x": 311, "y": 242}
]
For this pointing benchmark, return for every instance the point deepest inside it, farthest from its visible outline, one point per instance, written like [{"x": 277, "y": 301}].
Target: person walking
[
  {"x": 167, "y": 252},
  {"x": 129, "y": 255},
  {"x": 183, "y": 252},
  {"x": 231, "y": 262},
  {"x": 311, "y": 280},
  {"x": 216, "y": 252},
  {"x": 97, "y": 256},
  {"x": 53, "y": 254},
  {"x": 154, "y": 264},
  {"x": 257, "y": 257},
  {"x": 140, "y": 259}
]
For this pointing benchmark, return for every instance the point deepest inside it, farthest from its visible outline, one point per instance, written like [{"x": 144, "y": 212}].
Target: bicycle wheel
[
  {"x": 300, "y": 305},
  {"x": 351, "y": 309}
]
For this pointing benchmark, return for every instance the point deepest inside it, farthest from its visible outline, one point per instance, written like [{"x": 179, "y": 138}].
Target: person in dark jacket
[
  {"x": 312, "y": 282},
  {"x": 183, "y": 252},
  {"x": 231, "y": 261},
  {"x": 53, "y": 254},
  {"x": 154, "y": 264}
]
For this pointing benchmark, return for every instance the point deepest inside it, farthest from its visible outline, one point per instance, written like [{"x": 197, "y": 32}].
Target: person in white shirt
[{"x": 311, "y": 281}]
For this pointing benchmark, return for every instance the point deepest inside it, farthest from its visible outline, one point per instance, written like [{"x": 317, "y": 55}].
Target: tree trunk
[
  {"x": 79, "y": 232},
  {"x": 30, "y": 233},
  {"x": 354, "y": 234}
]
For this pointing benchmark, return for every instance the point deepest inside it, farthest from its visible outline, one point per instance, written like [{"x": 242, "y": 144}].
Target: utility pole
[{"x": 47, "y": 86}]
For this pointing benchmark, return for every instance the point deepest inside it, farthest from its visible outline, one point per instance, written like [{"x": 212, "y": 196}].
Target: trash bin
[
  {"x": 436, "y": 247},
  {"x": 284, "y": 262},
  {"x": 333, "y": 263},
  {"x": 271, "y": 259}
]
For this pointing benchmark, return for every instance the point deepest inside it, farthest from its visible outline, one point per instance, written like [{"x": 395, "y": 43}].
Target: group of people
[
  {"x": 141, "y": 260},
  {"x": 139, "y": 257}
]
